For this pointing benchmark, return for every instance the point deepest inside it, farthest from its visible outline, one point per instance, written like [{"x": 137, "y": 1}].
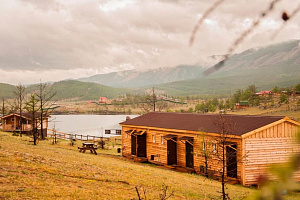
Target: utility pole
[{"x": 3, "y": 108}]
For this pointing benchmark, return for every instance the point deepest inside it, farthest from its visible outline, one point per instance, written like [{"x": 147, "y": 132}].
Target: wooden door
[
  {"x": 141, "y": 145},
  {"x": 231, "y": 161},
  {"x": 133, "y": 145},
  {"x": 189, "y": 154},
  {"x": 172, "y": 151}
]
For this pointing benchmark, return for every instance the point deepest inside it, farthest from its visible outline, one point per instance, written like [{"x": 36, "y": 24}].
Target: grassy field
[{"x": 59, "y": 171}]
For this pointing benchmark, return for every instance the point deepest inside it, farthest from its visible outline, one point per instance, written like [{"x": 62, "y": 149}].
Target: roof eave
[{"x": 178, "y": 130}]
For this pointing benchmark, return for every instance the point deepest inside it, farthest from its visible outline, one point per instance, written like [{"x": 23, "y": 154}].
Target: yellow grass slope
[{"x": 59, "y": 171}]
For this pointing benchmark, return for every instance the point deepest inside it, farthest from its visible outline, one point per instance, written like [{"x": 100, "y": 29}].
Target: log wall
[
  {"x": 126, "y": 142},
  {"x": 158, "y": 149},
  {"x": 215, "y": 157},
  {"x": 272, "y": 145}
]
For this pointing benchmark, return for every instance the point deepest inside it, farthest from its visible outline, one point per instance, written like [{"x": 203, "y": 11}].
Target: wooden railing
[
  {"x": 67, "y": 136},
  {"x": 11, "y": 127}
]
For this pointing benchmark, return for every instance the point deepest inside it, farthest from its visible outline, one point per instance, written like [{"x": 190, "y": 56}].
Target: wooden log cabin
[
  {"x": 183, "y": 139},
  {"x": 12, "y": 123}
]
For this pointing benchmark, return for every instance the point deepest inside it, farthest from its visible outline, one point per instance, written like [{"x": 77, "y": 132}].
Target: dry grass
[{"x": 59, "y": 171}]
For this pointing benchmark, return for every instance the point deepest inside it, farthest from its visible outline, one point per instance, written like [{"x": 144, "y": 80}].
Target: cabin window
[
  {"x": 153, "y": 138},
  {"x": 214, "y": 147},
  {"x": 203, "y": 145},
  {"x": 162, "y": 139}
]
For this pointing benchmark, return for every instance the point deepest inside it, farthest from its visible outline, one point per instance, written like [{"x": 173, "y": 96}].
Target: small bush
[{"x": 15, "y": 134}]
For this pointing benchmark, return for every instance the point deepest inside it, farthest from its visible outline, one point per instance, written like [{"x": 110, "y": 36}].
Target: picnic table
[{"x": 88, "y": 146}]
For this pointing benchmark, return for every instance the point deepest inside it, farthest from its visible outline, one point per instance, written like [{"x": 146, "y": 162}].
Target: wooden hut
[
  {"x": 242, "y": 105},
  {"x": 183, "y": 139},
  {"x": 12, "y": 123}
]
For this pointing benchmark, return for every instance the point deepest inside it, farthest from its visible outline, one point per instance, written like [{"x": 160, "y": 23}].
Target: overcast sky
[{"x": 54, "y": 40}]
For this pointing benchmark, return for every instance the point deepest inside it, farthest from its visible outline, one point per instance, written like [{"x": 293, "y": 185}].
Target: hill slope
[
  {"x": 84, "y": 91},
  {"x": 59, "y": 171},
  {"x": 6, "y": 90},
  {"x": 70, "y": 89}
]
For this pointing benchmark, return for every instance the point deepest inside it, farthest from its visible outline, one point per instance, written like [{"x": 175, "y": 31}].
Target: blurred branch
[
  {"x": 286, "y": 17},
  {"x": 201, "y": 20},
  {"x": 239, "y": 40}
]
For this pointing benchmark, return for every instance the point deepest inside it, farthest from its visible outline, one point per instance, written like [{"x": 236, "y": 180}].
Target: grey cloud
[
  {"x": 76, "y": 34},
  {"x": 43, "y": 4}
]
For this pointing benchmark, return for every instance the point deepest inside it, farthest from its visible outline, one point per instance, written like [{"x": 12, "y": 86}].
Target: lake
[{"x": 94, "y": 125}]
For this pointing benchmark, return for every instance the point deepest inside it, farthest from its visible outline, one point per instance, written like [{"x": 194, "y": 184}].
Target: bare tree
[
  {"x": 164, "y": 194},
  {"x": 160, "y": 105},
  {"x": 150, "y": 102},
  {"x": 207, "y": 149},
  {"x": 32, "y": 107},
  {"x": 19, "y": 94},
  {"x": 225, "y": 154},
  {"x": 222, "y": 149},
  {"x": 3, "y": 108},
  {"x": 44, "y": 95}
]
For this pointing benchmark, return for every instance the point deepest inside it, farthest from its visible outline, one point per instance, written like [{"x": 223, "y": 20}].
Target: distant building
[
  {"x": 242, "y": 105},
  {"x": 102, "y": 100},
  {"x": 264, "y": 93}
]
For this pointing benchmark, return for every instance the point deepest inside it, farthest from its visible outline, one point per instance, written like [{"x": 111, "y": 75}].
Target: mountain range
[
  {"x": 135, "y": 79},
  {"x": 263, "y": 66},
  {"x": 266, "y": 67}
]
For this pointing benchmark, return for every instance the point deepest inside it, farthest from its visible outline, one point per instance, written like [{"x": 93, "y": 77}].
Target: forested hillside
[
  {"x": 84, "y": 91},
  {"x": 70, "y": 90},
  {"x": 6, "y": 90}
]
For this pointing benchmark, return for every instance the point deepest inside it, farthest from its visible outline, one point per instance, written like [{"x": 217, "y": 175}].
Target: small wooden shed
[{"x": 180, "y": 140}]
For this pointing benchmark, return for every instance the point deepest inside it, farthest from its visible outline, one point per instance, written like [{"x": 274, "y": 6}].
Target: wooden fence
[{"x": 68, "y": 136}]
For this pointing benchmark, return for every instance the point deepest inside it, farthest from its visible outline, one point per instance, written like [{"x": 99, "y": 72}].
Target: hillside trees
[
  {"x": 3, "y": 107},
  {"x": 247, "y": 95},
  {"x": 200, "y": 107},
  {"x": 276, "y": 89},
  {"x": 297, "y": 88},
  {"x": 283, "y": 98}
]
